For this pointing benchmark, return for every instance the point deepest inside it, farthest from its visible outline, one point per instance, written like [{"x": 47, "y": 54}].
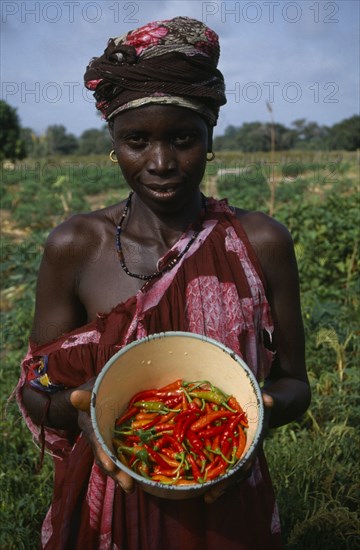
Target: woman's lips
[
  {"x": 163, "y": 190},
  {"x": 163, "y": 187}
]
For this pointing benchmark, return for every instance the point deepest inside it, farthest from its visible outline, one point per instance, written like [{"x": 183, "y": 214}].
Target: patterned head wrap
[{"x": 165, "y": 62}]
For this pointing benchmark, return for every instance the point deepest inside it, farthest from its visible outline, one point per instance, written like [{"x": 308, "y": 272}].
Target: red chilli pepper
[
  {"x": 163, "y": 427},
  {"x": 184, "y": 402},
  {"x": 139, "y": 425},
  {"x": 230, "y": 428},
  {"x": 170, "y": 415},
  {"x": 143, "y": 469},
  {"x": 169, "y": 473},
  {"x": 182, "y": 481},
  {"x": 173, "y": 401},
  {"x": 244, "y": 420},
  {"x": 172, "y": 386},
  {"x": 194, "y": 468},
  {"x": 241, "y": 442},
  {"x": 233, "y": 403},
  {"x": 146, "y": 416},
  {"x": 227, "y": 439},
  {"x": 216, "y": 469},
  {"x": 196, "y": 443},
  {"x": 203, "y": 421},
  {"x": 183, "y": 420},
  {"x": 171, "y": 453},
  {"x": 155, "y": 457},
  {"x": 216, "y": 443},
  {"x": 127, "y": 415},
  {"x": 166, "y": 441},
  {"x": 162, "y": 479},
  {"x": 172, "y": 462},
  {"x": 150, "y": 395},
  {"x": 211, "y": 432}
]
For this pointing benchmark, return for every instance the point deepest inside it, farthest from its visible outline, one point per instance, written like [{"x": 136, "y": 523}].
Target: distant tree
[
  {"x": 11, "y": 145},
  {"x": 35, "y": 145},
  {"x": 227, "y": 142},
  {"x": 59, "y": 142},
  {"x": 345, "y": 135},
  {"x": 309, "y": 135},
  {"x": 94, "y": 141},
  {"x": 254, "y": 136},
  {"x": 299, "y": 128},
  {"x": 27, "y": 135}
]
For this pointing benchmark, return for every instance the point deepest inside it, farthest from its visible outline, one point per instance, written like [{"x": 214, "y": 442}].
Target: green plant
[{"x": 314, "y": 461}]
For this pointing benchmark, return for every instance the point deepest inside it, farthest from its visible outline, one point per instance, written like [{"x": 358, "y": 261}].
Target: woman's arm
[
  {"x": 57, "y": 307},
  {"x": 286, "y": 394},
  {"x": 288, "y": 383},
  {"x": 58, "y": 310}
]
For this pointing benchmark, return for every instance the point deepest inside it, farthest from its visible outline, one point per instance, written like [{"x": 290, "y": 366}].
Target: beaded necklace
[{"x": 158, "y": 273}]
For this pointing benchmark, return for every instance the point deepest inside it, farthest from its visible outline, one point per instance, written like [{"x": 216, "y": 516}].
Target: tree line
[
  {"x": 17, "y": 142},
  {"x": 257, "y": 136}
]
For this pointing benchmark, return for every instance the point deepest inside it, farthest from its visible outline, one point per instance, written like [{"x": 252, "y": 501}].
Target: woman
[{"x": 183, "y": 262}]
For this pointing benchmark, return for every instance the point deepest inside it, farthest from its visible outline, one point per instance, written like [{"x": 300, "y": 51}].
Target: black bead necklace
[{"x": 167, "y": 267}]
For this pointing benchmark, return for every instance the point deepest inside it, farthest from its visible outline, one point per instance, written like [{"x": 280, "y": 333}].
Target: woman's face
[{"x": 161, "y": 151}]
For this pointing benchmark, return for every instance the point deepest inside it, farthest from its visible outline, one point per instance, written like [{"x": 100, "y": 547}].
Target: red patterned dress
[{"x": 216, "y": 290}]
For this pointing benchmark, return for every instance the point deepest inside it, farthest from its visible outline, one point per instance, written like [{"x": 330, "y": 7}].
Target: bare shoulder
[
  {"x": 72, "y": 246},
  {"x": 80, "y": 235},
  {"x": 69, "y": 251},
  {"x": 263, "y": 229},
  {"x": 272, "y": 243},
  {"x": 76, "y": 228}
]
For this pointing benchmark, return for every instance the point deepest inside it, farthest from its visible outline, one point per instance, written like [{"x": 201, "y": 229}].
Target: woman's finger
[
  {"x": 268, "y": 400},
  {"x": 80, "y": 399},
  {"x": 215, "y": 492},
  {"x": 124, "y": 480}
]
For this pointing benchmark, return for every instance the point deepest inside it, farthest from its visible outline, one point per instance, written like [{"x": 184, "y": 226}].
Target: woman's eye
[
  {"x": 184, "y": 139},
  {"x": 135, "y": 139}
]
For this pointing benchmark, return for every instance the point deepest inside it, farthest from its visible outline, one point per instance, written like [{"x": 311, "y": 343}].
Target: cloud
[{"x": 300, "y": 55}]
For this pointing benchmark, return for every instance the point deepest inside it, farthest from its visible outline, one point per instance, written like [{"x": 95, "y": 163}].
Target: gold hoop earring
[
  {"x": 113, "y": 156},
  {"x": 210, "y": 156}
]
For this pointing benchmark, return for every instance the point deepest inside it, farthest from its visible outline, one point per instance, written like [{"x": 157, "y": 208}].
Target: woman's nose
[{"x": 162, "y": 159}]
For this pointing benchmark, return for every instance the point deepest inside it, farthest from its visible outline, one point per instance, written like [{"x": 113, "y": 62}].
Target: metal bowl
[{"x": 158, "y": 360}]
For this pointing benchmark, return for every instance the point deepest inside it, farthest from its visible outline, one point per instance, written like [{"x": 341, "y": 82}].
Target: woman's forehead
[{"x": 159, "y": 115}]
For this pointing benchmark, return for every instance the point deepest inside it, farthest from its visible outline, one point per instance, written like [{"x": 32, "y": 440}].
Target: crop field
[{"x": 314, "y": 461}]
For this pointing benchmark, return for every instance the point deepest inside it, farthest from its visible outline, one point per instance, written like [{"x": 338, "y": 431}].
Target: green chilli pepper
[
  {"x": 212, "y": 396},
  {"x": 151, "y": 405}
]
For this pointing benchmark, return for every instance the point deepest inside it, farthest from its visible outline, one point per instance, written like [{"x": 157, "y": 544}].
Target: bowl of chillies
[{"x": 177, "y": 411}]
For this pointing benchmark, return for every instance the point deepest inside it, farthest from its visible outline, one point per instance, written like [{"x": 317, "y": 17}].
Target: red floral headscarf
[{"x": 167, "y": 62}]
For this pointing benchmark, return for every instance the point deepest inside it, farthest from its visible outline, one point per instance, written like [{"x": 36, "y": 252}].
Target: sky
[{"x": 300, "y": 57}]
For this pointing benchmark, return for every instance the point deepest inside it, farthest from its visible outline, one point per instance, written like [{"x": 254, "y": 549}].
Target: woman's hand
[
  {"x": 219, "y": 489},
  {"x": 80, "y": 399}
]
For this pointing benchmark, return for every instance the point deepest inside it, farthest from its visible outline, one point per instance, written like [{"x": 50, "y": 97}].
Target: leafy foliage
[
  {"x": 346, "y": 134},
  {"x": 314, "y": 461},
  {"x": 256, "y": 136},
  {"x": 94, "y": 141},
  {"x": 59, "y": 141},
  {"x": 11, "y": 145}
]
